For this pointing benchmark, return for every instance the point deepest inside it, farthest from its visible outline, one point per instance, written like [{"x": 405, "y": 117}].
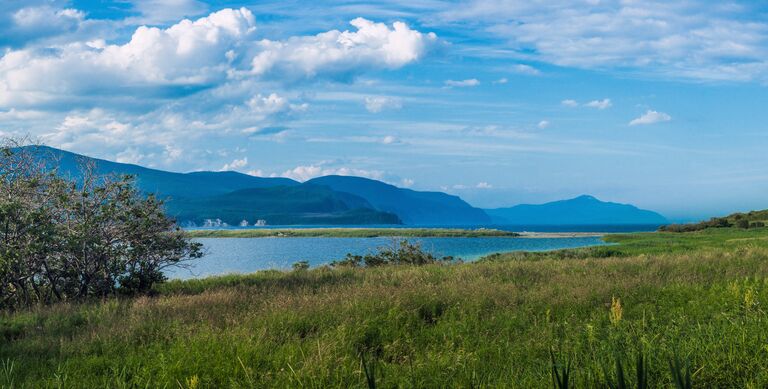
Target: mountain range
[
  {"x": 218, "y": 198},
  {"x": 582, "y": 210}
]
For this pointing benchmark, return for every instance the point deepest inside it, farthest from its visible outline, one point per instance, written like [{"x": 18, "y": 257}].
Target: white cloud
[
  {"x": 206, "y": 52},
  {"x": 268, "y": 105},
  {"x": 570, "y": 103},
  {"x": 14, "y": 114},
  {"x": 463, "y": 83},
  {"x": 308, "y": 172},
  {"x": 46, "y": 17},
  {"x": 93, "y": 127},
  {"x": 462, "y": 187},
  {"x": 651, "y": 117},
  {"x": 599, "y": 104},
  {"x": 389, "y": 139},
  {"x": 29, "y": 21},
  {"x": 373, "y": 45},
  {"x": 695, "y": 40},
  {"x": 376, "y": 104},
  {"x": 236, "y": 164},
  {"x": 406, "y": 183},
  {"x": 130, "y": 155},
  {"x": 502, "y": 80},
  {"x": 187, "y": 53},
  {"x": 543, "y": 124},
  {"x": 526, "y": 69}
]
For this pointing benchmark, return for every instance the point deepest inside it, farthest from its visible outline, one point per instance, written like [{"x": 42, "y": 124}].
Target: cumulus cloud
[
  {"x": 483, "y": 185},
  {"x": 570, "y": 103},
  {"x": 373, "y": 45},
  {"x": 236, "y": 164},
  {"x": 651, "y": 117},
  {"x": 463, "y": 83},
  {"x": 193, "y": 55},
  {"x": 308, "y": 172},
  {"x": 543, "y": 124},
  {"x": 599, "y": 104},
  {"x": 188, "y": 84},
  {"x": 187, "y": 53},
  {"x": 502, "y": 80},
  {"x": 376, "y": 104}
]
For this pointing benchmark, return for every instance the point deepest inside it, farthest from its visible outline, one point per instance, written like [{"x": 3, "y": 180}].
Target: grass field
[
  {"x": 351, "y": 233},
  {"x": 700, "y": 296}
]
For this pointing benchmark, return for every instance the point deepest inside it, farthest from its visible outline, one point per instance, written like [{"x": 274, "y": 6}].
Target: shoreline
[
  {"x": 356, "y": 232},
  {"x": 551, "y": 235}
]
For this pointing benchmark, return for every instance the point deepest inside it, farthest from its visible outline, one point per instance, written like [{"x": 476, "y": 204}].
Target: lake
[{"x": 247, "y": 255}]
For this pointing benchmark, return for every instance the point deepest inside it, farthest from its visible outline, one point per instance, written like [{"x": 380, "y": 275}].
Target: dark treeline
[
  {"x": 754, "y": 219},
  {"x": 71, "y": 239}
]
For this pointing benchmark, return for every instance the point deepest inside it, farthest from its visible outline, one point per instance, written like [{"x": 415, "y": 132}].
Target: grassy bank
[
  {"x": 488, "y": 324},
  {"x": 352, "y": 233}
]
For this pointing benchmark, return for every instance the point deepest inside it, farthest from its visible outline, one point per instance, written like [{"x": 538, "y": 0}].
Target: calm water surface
[{"x": 247, "y": 255}]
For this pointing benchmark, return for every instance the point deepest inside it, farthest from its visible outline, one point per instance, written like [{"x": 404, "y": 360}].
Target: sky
[{"x": 659, "y": 104}]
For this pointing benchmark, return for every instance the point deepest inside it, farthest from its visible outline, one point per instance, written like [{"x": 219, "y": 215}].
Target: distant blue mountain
[
  {"x": 230, "y": 197},
  {"x": 163, "y": 183},
  {"x": 413, "y": 207},
  {"x": 303, "y": 204},
  {"x": 582, "y": 210}
]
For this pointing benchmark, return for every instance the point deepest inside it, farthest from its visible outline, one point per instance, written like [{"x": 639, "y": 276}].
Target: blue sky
[{"x": 501, "y": 102}]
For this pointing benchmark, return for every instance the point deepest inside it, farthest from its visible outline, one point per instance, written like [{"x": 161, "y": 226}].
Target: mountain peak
[
  {"x": 586, "y": 197},
  {"x": 584, "y": 209}
]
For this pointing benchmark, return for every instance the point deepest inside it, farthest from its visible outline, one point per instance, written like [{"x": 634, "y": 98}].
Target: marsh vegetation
[{"x": 695, "y": 298}]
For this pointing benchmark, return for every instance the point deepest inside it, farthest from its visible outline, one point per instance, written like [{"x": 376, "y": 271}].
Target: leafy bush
[
  {"x": 301, "y": 265},
  {"x": 400, "y": 252},
  {"x": 63, "y": 240}
]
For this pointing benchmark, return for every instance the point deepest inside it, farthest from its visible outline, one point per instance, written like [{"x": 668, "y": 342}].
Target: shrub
[
  {"x": 65, "y": 240},
  {"x": 301, "y": 265},
  {"x": 400, "y": 252}
]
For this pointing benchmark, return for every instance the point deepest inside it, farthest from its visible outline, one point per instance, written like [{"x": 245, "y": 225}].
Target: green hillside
[{"x": 286, "y": 205}]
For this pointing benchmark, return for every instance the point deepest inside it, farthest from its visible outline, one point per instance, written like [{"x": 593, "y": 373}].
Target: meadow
[{"x": 693, "y": 300}]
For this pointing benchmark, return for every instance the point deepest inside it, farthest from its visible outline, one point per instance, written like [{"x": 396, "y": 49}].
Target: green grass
[
  {"x": 351, "y": 233},
  {"x": 498, "y": 323}
]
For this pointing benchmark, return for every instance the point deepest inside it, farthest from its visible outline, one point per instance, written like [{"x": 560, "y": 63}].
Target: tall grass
[{"x": 487, "y": 324}]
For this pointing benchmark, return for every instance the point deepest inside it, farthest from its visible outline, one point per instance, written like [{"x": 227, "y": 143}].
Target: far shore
[
  {"x": 361, "y": 232},
  {"x": 562, "y": 234}
]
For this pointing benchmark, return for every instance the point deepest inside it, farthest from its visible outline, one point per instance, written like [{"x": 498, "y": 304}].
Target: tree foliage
[
  {"x": 753, "y": 219},
  {"x": 401, "y": 252},
  {"x": 71, "y": 239}
]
